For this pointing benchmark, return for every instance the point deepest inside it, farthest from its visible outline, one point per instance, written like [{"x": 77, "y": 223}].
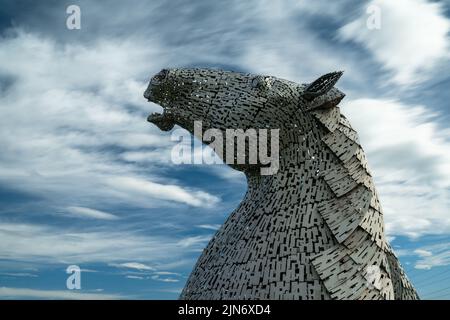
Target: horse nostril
[
  {"x": 155, "y": 81},
  {"x": 147, "y": 94}
]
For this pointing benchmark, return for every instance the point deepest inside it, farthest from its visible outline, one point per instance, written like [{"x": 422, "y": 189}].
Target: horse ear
[
  {"x": 322, "y": 85},
  {"x": 321, "y": 93}
]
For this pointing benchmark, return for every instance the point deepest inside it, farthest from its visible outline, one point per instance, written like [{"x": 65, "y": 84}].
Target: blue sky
[{"x": 85, "y": 180}]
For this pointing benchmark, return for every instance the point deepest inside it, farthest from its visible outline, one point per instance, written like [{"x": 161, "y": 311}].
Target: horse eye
[
  {"x": 161, "y": 75},
  {"x": 258, "y": 82}
]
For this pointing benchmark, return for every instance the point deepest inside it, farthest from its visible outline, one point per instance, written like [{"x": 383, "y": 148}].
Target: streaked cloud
[
  {"x": 209, "y": 226},
  {"x": 83, "y": 117},
  {"x": 163, "y": 191},
  {"x": 134, "y": 265},
  {"x": 423, "y": 253},
  {"x": 91, "y": 213},
  {"x": 192, "y": 241},
  {"x": 166, "y": 273},
  {"x": 428, "y": 256},
  {"x": 18, "y": 274},
  {"x": 164, "y": 279},
  {"x": 431, "y": 256},
  {"x": 412, "y": 40},
  {"x": 409, "y": 155},
  {"x": 27, "y": 293},
  {"x": 73, "y": 130},
  {"x": 50, "y": 245}
]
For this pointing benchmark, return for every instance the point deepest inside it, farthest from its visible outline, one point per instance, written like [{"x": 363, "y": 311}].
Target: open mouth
[{"x": 164, "y": 121}]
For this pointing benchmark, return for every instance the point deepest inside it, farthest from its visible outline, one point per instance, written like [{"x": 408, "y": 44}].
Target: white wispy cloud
[
  {"x": 153, "y": 156},
  {"x": 193, "y": 241},
  {"x": 91, "y": 213},
  {"x": 18, "y": 274},
  {"x": 423, "y": 253},
  {"x": 27, "y": 293},
  {"x": 133, "y": 265},
  {"x": 158, "y": 278},
  {"x": 163, "y": 191},
  {"x": 167, "y": 273},
  {"x": 46, "y": 244},
  {"x": 88, "y": 270},
  {"x": 55, "y": 131},
  {"x": 299, "y": 54},
  {"x": 412, "y": 40},
  {"x": 209, "y": 226},
  {"x": 409, "y": 155},
  {"x": 148, "y": 272},
  {"x": 427, "y": 256},
  {"x": 430, "y": 256},
  {"x": 175, "y": 291}
]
